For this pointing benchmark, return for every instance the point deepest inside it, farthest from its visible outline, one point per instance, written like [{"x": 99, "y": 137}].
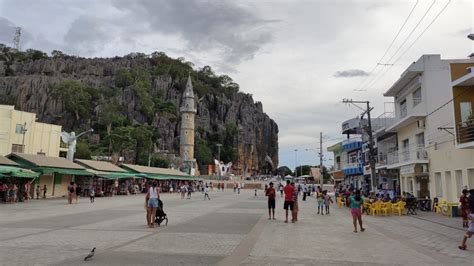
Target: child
[
  {"x": 37, "y": 192},
  {"x": 92, "y": 194},
  {"x": 320, "y": 198},
  {"x": 327, "y": 200},
  {"x": 45, "y": 189},
  {"x": 470, "y": 230}
]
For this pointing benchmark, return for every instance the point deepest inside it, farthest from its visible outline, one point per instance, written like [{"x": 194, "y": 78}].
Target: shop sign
[{"x": 407, "y": 170}]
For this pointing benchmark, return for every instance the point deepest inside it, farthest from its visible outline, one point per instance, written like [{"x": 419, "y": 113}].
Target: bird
[{"x": 90, "y": 254}]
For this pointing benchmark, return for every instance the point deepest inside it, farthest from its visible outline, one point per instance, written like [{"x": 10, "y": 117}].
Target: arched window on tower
[
  {"x": 187, "y": 106},
  {"x": 186, "y": 132}
]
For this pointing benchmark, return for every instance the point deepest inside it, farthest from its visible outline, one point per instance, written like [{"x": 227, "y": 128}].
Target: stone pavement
[{"x": 230, "y": 229}]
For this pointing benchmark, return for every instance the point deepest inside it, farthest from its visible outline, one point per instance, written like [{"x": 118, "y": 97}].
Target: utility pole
[
  {"x": 371, "y": 139},
  {"x": 321, "y": 159}
]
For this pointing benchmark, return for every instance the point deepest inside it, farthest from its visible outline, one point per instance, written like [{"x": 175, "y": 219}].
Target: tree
[
  {"x": 119, "y": 140},
  {"x": 203, "y": 153},
  {"x": 303, "y": 170},
  {"x": 109, "y": 114},
  {"x": 57, "y": 54},
  {"x": 143, "y": 139},
  {"x": 75, "y": 98},
  {"x": 159, "y": 161},
  {"x": 284, "y": 171},
  {"x": 35, "y": 54},
  {"x": 83, "y": 150},
  {"x": 123, "y": 78}
]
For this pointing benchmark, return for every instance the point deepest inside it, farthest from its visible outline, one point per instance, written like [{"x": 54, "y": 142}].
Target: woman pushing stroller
[{"x": 152, "y": 204}]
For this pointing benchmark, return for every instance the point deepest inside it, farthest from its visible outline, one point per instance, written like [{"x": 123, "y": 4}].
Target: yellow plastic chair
[
  {"x": 386, "y": 208},
  {"x": 399, "y": 207},
  {"x": 367, "y": 206},
  {"x": 439, "y": 206},
  {"x": 376, "y": 208}
]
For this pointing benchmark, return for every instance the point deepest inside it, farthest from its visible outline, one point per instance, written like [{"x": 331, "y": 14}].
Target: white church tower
[{"x": 186, "y": 140}]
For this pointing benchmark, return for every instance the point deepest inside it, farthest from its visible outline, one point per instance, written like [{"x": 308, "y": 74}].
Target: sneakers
[{"x": 462, "y": 247}]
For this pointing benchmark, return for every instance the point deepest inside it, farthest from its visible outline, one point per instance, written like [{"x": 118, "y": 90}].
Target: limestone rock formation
[{"x": 28, "y": 85}]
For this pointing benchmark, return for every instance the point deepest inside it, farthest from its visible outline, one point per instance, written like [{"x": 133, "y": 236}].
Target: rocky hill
[{"x": 132, "y": 103}]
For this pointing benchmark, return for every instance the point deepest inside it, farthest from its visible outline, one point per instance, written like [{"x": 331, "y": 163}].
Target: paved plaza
[{"x": 230, "y": 229}]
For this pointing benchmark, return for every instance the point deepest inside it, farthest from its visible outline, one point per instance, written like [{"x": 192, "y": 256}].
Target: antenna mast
[{"x": 16, "y": 38}]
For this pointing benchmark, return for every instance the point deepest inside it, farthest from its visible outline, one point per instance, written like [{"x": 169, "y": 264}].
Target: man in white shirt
[{"x": 206, "y": 193}]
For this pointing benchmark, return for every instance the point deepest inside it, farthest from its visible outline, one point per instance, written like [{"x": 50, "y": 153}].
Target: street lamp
[
  {"x": 219, "y": 158},
  {"x": 296, "y": 162}
]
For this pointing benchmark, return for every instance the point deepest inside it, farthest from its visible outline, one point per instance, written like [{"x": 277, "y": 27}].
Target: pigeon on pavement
[{"x": 90, "y": 254}]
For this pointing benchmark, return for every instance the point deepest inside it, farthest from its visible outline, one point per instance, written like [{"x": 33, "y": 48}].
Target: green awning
[
  {"x": 62, "y": 171},
  {"x": 117, "y": 175},
  {"x": 6, "y": 171},
  {"x": 168, "y": 177}
]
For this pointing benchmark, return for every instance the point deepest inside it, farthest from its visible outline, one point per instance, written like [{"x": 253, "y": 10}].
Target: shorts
[
  {"x": 271, "y": 203},
  {"x": 152, "y": 203},
  {"x": 356, "y": 212},
  {"x": 320, "y": 202},
  {"x": 289, "y": 205},
  {"x": 468, "y": 234}
]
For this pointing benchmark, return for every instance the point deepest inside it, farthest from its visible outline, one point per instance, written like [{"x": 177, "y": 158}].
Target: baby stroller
[{"x": 160, "y": 214}]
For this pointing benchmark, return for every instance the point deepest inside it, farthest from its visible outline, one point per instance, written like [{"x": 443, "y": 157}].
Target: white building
[{"x": 425, "y": 154}]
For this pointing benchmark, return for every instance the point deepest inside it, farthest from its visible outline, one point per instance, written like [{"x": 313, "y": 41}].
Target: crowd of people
[{"x": 13, "y": 192}]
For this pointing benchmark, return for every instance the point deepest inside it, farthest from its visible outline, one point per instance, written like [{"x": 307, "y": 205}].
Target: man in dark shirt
[
  {"x": 289, "y": 203},
  {"x": 270, "y": 193}
]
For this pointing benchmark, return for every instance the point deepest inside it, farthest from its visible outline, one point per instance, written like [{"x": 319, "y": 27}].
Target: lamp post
[
  {"x": 296, "y": 162},
  {"x": 219, "y": 158}
]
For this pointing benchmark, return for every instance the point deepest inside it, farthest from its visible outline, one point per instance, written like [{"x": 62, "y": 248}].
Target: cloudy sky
[{"x": 300, "y": 58}]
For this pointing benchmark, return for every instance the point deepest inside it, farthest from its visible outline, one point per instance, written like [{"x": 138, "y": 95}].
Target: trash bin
[{"x": 454, "y": 211}]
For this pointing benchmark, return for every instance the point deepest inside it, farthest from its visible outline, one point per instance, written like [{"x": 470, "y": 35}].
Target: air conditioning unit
[{"x": 421, "y": 123}]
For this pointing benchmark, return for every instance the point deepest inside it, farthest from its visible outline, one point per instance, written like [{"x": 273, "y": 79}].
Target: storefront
[
  {"x": 168, "y": 180},
  {"x": 54, "y": 172},
  {"x": 12, "y": 174},
  {"x": 109, "y": 179}
]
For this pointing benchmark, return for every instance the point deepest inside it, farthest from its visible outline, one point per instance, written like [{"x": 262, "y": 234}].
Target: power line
[
  {"x": 413, "y": 43},
  {"x": 390, "y": 46},
  {"x": 403, "y": 43}
]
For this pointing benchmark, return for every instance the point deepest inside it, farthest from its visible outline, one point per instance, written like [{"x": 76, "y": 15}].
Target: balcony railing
[
  {"x": 465, "y": 131},
  {"x": 414, "y": 153},
  {"x": 403, "y": 111}
]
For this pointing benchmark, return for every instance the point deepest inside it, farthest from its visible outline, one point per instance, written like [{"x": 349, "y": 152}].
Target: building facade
[
  {"x": 186, "y": 140},
  {"x": 426, "y": 156},
  {"x": 19, "y": 132}
]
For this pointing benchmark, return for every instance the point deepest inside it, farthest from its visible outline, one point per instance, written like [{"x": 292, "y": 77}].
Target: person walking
[
  {"x": 206, "y": 193},
  {"x": 45, "y": 190},
  {"x": 355, "y": 202},
  {"x": 38, "y": 191},
  {"x": 464, "y": 202},
  {"x": 151, "y": 200},
  {"x": 281, "y": 190},
  {"x": 189, "y": 189},
  {"x": 327, "y": 201},
  {"x": 305, "y": 192},
  {"x": 78, "y": 192},
  {"x": 271, "y": 193},
  {"x": 92, "y": 193},
  {"x": 289, "y": 204},
  {"x": 295, "y": 210},
  {"x": 70, "y": 190},
  {"x": 320, "y": 199},
  {"x": 470, "y": 217}
]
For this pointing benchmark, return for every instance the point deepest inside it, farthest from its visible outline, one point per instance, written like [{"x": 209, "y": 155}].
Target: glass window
[
  {"x": 420, "y": 139},
  {"x": 466, "y": 112},
  {"x": 406, "y": 143},
  {"x": 416, "y": 97},
  {"x": 19, "y": 129}
]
